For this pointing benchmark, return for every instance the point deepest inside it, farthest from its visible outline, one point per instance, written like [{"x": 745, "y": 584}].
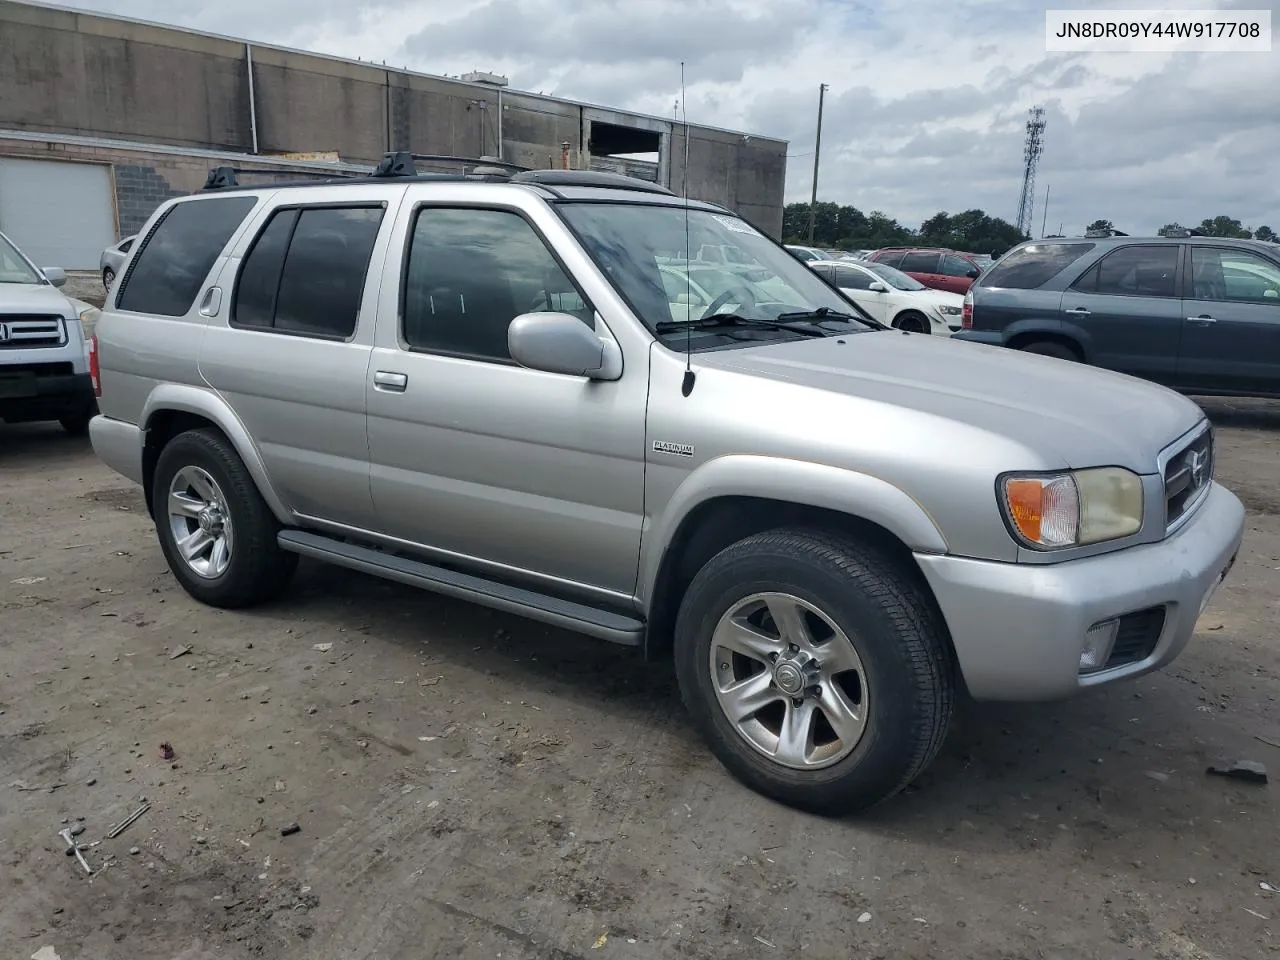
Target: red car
[{"x": 933, "y": 266}]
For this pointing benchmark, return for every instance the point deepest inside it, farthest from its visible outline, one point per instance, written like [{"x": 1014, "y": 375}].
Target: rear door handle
[
  {"x": 1077, "y": 311},
  {"x": 390, "y": 382},
  {"x": 211, "y": 302},
  {"x": 1202, "y": 319}
]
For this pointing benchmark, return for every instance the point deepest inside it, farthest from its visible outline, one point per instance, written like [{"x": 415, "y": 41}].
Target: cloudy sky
[{"x": 926, "y": 104}]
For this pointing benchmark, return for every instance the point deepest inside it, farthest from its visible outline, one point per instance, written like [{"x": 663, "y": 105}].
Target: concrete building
[{"x": 102, "y": 119}]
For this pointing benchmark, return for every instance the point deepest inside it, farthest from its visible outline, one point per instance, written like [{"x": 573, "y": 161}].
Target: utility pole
[
  {"x": 817, "y": 153},
  {"x": 1046, "y": 208}
]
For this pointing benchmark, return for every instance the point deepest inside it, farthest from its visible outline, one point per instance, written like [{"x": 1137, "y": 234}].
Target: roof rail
[
  {"x": 398, "y": 163},
  {"x": 220, "y": 177},
  {"x": 588, "y": 178}
]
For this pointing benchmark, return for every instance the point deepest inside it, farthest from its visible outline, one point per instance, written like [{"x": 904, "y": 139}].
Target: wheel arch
[
  {"x": 176, "y": 408},
  {"x": 735, "y": 497}
]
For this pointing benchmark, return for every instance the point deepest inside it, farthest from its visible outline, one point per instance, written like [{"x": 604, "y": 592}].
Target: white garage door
[{"x": 60, "y": 214}]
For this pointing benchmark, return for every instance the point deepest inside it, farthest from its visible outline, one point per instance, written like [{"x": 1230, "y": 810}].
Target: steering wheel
[{"x": 744, "y": 298}]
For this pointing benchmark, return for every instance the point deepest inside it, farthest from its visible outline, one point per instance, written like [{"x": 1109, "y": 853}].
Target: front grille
[
  {"x": 1187, "y": 476},
  {"x": 26, "y": 332},
  {"x": 1136, "y": 636}
]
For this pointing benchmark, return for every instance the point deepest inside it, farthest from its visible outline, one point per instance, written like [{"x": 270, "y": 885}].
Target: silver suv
[{"x": 509, "y": 389}]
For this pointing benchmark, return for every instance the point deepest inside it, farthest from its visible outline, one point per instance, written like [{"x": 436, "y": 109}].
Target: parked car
[
  {"x": 113, "y": 259},
  {"x": 480, "y": 388},
  {"x": 1199, "y": 314},
  {"x": 892, "y": 297},
  {"x": 44, "y": 372},
  {"x": 935, "y": 267},
  {"x": 805, "y": 254}
]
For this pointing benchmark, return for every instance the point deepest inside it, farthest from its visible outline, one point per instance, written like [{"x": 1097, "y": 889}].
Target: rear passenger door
[
  {"x": 956, "y": 274},
  {"x": 1231, "y": 327},
  {"x": 290, "y": 348},
  {"x": 923, "y": 265},
  {"x": 516, "y": 474},
  {"x": 1128, "y": 307}
]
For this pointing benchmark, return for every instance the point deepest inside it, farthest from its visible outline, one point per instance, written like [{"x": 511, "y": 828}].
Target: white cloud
[{"x": 926, "y": 104}]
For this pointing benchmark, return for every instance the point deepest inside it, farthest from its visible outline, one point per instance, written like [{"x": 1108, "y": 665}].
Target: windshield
[
  {"x": 643, "y": 249},
  {"x": 893, "y": 276},
  {"x": 13, "y": 265}
]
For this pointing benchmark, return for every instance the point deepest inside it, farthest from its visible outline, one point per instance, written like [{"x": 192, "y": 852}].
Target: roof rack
[
  {"x": 1108, "y": 232},
  {"x": 588, "y": 178}
]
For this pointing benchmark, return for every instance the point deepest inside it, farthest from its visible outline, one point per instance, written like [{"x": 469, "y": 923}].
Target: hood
[
  {"x": 1075, "y": 415},
  {"x": 34, "y": 298}
]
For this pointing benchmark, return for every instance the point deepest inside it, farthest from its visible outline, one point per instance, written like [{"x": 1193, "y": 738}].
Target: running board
[{"x": 577, "y": 617}]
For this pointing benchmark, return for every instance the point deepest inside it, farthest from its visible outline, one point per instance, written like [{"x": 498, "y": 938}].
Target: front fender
[
  {"x": 791, "y": 481},
  {"x": 206, "y": 403}
]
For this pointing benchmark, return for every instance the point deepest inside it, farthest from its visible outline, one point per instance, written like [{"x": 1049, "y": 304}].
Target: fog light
[{"x": 1098, "y": 642}]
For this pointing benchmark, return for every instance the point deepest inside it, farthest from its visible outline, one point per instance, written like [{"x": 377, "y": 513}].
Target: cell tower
[{"x": 1030, "y": 157}]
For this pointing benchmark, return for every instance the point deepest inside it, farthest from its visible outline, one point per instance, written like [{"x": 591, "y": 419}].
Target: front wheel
[
  {"x": 912, "y": 322},
  {"x": 818, "y": 671},
  {"x": 217, "y": 533},
  {"x": 1051, "y": 348}
]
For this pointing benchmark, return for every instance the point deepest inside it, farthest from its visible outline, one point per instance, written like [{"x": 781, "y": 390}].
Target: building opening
[{"x": 617, "y": 149}]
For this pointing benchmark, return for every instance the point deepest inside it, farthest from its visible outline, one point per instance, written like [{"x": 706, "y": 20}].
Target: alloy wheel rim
[
  {"x": 200, "y": 522},
  {"x": 789, "y": 680}
]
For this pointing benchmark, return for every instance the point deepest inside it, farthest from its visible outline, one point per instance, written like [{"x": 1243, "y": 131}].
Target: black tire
[
  {"x": 108, "y": 277},
  {"x": 258, "y": 568},
  {"x": 897, "y": 633},
  {"x": 912, "y": 321},
  {"x": 77, "y": 424},
  {"x": 1051, "y": 348}
]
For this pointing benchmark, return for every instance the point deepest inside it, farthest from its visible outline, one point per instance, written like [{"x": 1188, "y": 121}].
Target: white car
[{"x": 892, "y": 297}]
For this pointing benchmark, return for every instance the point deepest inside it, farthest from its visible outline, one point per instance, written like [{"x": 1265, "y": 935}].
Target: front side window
[
  {"x": 643, "y": 249},
  {"x": 919, "y": 263},
  {"x": 893, "y": 259},
  {"x": 1134, "y": 271},
  {"x": 894, "y": 277},
  {"x": 470, "y": 273},
  {"x": 13, "y": 265},
  {"x": 1219, "y": 273},
  {"x": 305, "y": 272},
  {"x": 173, "y": 262},
  {"x": 1034, "y": 265},
  {"x": 953, "y": 266},
  {"x": 851, "y": 278}
]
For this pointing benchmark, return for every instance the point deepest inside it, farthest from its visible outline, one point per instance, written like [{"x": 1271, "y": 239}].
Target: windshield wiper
[
  {"x": 824, "y": 313},
  {"x": 785, "y": 322}
]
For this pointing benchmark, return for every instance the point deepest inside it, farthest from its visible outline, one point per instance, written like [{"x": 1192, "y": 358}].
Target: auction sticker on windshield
[{"x": 734, "y": 224}]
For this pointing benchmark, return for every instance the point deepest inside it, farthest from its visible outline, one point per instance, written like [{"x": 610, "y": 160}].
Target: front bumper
[
  {"x": 43, "y": 397},
  {"x": 1019, "y": 629}
]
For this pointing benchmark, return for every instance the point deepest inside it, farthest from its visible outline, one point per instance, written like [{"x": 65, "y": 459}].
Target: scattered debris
[
  {"x": 430, "y": 681},
  {"x": 311, "y": 711},
  {"x": 92, "y": 781},
  {"x": 124, "y": 824},
  {"x": 181, "y": 651},
  {"x": 756, "y": 939},
  {"x": 28, "y": 581},
  {"x": 166, "y": 751},
  {"x": 46, "y": 953},
  {"x": 1156, "y": 776},
  {"x": 1267, "y": 740},
  {"x": 1263, "y": 885},
  {"x": 25, "y": 788},
  {"x": 65, "y": 834},
  {"x": 322, "y": 647},
  {"x": 1250, "y": 771},
  {"x": 1260, "y": 916},
  {"x": 290, "y": 830},
  {"x": 864, "y": 918},
  {"x": 600, "y": 941},
  {"x": 427, "y": 739},
  {"x": 134, "y": 851}
]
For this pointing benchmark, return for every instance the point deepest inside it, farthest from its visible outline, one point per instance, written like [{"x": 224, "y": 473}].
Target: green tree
[
  {"x": 1266, "y": 233},
  {"x": 1100, "y": 225},
  {"x": 1224, "y": 227}
]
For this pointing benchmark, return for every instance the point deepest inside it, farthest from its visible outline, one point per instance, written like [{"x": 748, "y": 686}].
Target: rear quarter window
[
  {"x": 171, "y": 265},
  {"x": 1034, "y": 265}
]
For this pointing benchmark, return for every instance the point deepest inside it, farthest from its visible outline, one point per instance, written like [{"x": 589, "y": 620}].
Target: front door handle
[
  {"x": 211, "y": 303},
  {"x": 390, "y": 382},
  {"x": 1203, "y": 319},
  {"x": 1078, "y": 311}
]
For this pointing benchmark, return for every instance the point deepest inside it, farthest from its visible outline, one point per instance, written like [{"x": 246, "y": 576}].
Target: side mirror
[
  {"x": 561, "y": 343},
  {"x": 878, "y": 287},
  {"x": 973, "y": 274},
  {"x": 55, "y": 275}
]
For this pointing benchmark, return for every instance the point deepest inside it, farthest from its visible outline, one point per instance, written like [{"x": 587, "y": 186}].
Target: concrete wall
[{"x": 63, "y": 72}]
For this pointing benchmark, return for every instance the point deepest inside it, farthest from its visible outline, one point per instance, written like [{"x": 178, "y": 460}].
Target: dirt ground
[{"x": 470, "y": 785}]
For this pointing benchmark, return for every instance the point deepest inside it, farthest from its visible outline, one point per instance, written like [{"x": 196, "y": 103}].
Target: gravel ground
[{"x": 470, "y": 785}]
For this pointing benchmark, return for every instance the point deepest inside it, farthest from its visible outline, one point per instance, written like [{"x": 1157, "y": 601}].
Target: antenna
[
  {"x": 1031, "y": 151},
  {"x": 686, "y": 386}
]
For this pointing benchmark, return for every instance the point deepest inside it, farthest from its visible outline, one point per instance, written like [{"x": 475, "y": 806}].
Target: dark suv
[
  {"x": 1199, "y": 314},
  {"x": 935, "y": 267}
]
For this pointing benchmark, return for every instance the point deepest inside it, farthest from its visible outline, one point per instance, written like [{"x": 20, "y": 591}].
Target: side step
[{"x": 577, "y": 617}]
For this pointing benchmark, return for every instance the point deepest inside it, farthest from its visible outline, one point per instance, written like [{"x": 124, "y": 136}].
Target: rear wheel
[
  {"x": 1051, "y": 348},
  {"x": 818, "y": 671},
  {"x": 108, "y": 277},
  {"x": 217, "y": 533},
  {"x": 912, "y": 322}
]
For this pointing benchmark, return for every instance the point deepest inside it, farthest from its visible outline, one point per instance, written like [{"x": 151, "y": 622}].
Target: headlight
[
  {"x": 949, "y": 311},
  {"x": 1051, "y": 511}
]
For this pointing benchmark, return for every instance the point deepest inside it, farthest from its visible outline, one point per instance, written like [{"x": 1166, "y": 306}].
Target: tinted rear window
[
  {"x": 1034, "y": 265},
  {"x": 167, "y": 272}
]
